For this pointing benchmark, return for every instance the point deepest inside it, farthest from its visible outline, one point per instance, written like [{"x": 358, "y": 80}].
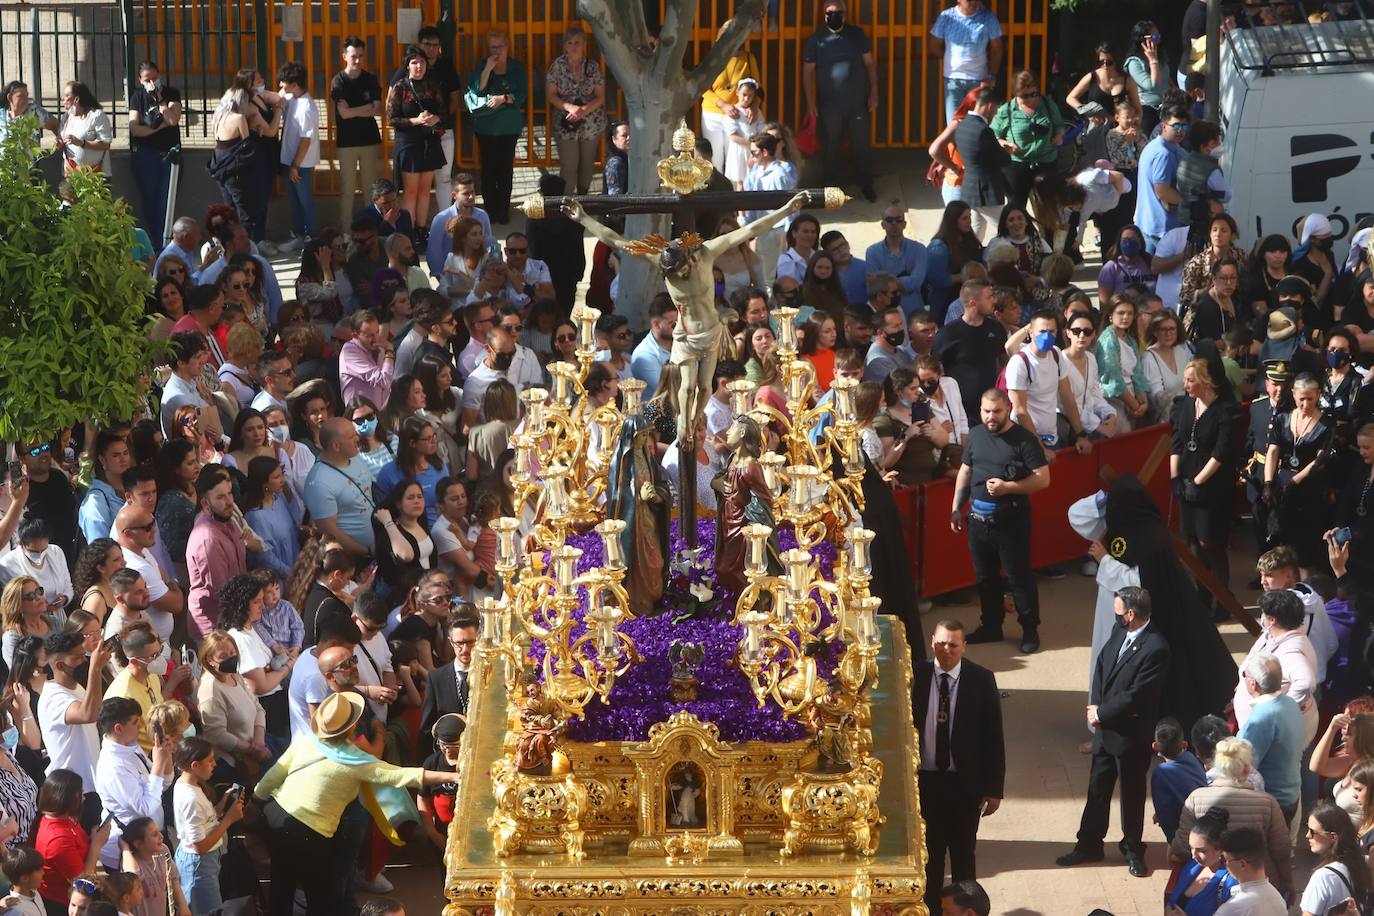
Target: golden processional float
[{"x": 743, "y": 744}]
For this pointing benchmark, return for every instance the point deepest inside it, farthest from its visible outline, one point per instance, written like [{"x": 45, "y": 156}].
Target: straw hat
[{"x": 337, "y": 714}]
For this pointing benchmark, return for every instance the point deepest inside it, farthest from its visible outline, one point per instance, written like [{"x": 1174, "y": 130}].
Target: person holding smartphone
[
  {"x": 201, "y": 825},
  {"x": 910, "y": 437}
]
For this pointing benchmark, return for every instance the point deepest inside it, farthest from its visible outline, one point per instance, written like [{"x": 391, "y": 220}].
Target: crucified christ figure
[{"x": 701, "y": 339}]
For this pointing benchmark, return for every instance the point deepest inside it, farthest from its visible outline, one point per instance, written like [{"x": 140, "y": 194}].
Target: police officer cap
[{"x": 1278, "y": 370}]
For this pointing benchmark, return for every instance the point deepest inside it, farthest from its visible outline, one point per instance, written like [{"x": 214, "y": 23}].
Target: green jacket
[
  {"x": 508, "y": 119},
  {"x": 1034, "y": 134}
]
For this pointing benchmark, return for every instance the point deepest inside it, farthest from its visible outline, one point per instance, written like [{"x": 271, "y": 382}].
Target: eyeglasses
[
  {"x": 510, "y": 250},
  {"x": 33, "y": 595},
  {"x": 238, "y": 285},
  {"x": 39, "y": 450},
  {"x": 564, "y": 338},
  {"x": 514, "y": 328},
  {"x": 1079, "y": 332},
  {"x": 147, "y": 527},
  {"x": 894, "y": 219},
  {"x": 190, "y": 421},
  {"x": 463, "y": 643},
  {"x": 1105, "y": 62},
  {"x": 1168, "y": 328},
  {"x": 350, "y": 662},
  {"x": 364, "y": 418},
  {"x": 1178, "y": 125}
]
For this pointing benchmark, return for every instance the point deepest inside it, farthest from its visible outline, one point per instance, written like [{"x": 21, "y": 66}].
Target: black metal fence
[{"x": 46, "y": 45}]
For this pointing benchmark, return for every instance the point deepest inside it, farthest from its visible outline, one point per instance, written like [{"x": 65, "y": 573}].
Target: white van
[{"x": 1297, "y": 117}]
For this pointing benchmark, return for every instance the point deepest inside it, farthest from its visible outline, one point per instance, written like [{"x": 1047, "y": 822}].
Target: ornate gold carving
[
  {"x": 536, "y": 813},
  {"x": 685, "y": 171},
  {"x": 833, "y": 812}
]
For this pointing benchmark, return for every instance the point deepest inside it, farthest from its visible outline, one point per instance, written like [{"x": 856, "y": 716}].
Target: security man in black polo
[{"x": 1003, "y": 465}]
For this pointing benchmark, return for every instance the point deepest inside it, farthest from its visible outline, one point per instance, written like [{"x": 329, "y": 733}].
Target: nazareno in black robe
[
  {"x": 892, "y": 573},
  {"x": 1202, "y": 675}
]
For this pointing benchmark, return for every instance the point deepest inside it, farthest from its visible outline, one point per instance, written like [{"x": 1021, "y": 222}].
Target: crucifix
[{"x": 700, "y": 339}]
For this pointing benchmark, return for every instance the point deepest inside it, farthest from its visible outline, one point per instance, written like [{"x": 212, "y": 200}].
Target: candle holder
[
  {"x": 844, "y": 389},
  {"x": 632, "y": 393},
  {"x": 741, "y": 395},
  {"x": 534, "y": 400},
  {"x": 586, "y": 317},
  {"x": 610, "y": 531},
  {"x": 787, "y": 328}
]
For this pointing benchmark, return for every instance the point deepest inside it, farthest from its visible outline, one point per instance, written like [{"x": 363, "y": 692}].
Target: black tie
[
  {"x": 463, "y": 692},
  {"x": 942, "y": 726}
]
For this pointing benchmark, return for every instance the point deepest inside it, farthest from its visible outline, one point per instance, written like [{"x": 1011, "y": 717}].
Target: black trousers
[
  {"x": 1132, "y": 768},
  {"x": 951, "y": 817},
  {"x": 1004, "y": 547},
  {"x": 850, "y": 117},
  {"x": 300, "y": 856},
  {"x": 277, "y": 709},
  {"x": 238, "y": 191},
  {"x": 1021, "y": 178},
  {"x": 498, "y": 173}
]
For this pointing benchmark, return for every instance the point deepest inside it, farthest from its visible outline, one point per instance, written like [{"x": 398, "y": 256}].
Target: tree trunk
[
  {"x": 659, "y": 93},
  {"x": 654, "y": 115}
]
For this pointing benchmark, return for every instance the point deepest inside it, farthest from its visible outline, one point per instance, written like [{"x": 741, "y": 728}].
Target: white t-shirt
[
  {"x": 194, "y": 815},
  {"x": 1328, "y": 886},
  {"x": 70, "y": 747},
  {"x": 372, "y": 655},
  {"x": 476, "y": 385},
  {"x": 1041, "y": 382},
  {"x": 307, "y": 686},
  {"x": 93, "y": 125},
  {"x": 1167, "y": 286},
  {"x": 1254, "y": 898},
  {"x": 302, "y": 122},
  {"x": 719, "y": 416},
  {"x": 253, "y": 653},
  {"x": 1101, "y": 195},
  {"x": 966, "y": 41},
  {"x": 146, "y": 567},
  {"x": 445, "y": 541}
]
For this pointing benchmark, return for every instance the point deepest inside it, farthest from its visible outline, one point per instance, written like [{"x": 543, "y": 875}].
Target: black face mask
[
  {"x": 894, "y": 339},
  {"x": 834, "y": 20},
  {"x": 502, "y": 361},
  {"x": 230, "y": 665},
  {"x": 930, "y": 387}
]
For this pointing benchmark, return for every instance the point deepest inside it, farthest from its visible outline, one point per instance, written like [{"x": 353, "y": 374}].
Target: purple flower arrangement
[{"x": 642, "y": 696}]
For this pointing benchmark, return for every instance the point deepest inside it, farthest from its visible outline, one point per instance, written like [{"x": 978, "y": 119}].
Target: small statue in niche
[
  {"x": 686, "y": 797},
  {"x": 685, "y": 657},
  {"x": 540, "y": 723},
  {"x": 833, "y": 715}
]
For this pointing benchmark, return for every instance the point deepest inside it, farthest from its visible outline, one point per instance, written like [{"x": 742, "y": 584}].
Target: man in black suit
[
  {"x": 447, "y": 688},
  {"x": 1124, "y": 705},
  {"x": 984, "y": 187},
  {"x": 958, "y": 711}
]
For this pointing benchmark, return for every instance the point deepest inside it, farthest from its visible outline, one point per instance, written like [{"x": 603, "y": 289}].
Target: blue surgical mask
[
  {"x": 10, "y": 738},
  {"x": 1044, "y": 341},
  {"x": 1130, "y": 247},
  {"x": 259, "y": 90},
  {"x": 1337, "y": 359},
  {"x": 366, "y": 427}
]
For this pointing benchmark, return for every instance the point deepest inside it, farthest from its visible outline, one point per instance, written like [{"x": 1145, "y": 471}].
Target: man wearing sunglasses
[
  {"x": 135, "y": 531},
  {"x": 1157, "y": 201},
  {"x": 50, "y": 497},
  {"x": 333, "y": 657},
  {"x": 531, "y": 275}
]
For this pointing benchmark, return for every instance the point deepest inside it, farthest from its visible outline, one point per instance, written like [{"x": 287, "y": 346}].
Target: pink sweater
[
  {"x": 214, "y": 555},
  {"x": 361, "y": 374}
]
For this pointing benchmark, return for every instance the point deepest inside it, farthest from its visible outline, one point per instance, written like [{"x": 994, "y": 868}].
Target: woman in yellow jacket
[
  {"x": 310, "y": 785},
  {"x": 718, "y": 102}
]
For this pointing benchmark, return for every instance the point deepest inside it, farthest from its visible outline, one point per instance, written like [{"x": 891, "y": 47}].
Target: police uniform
[
  {"x": 999, "y": 527},
  {"x": 1257, "y": 439}
]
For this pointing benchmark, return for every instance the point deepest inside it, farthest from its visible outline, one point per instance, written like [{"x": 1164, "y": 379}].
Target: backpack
[{"x": 1002, "y": 376}]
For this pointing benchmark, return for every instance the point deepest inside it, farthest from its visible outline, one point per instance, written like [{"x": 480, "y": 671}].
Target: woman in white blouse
[
  {"x": 232, "y": 719},
  {"x": 946, "y": 401},
  {"x": 240, "y": 610},
  {"x": 1096, "y": 414},
  {"x": 802, "y": 237},
  {"x": 1164, "y": 361},
  {"x": 707, "y": 464}
]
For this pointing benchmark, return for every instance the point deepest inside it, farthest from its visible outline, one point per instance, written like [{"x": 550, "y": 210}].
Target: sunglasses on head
[{"x": 84, "y": 886}]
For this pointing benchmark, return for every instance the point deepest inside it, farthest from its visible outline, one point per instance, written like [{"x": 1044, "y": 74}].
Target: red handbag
[{"x": 807, "y": 141}]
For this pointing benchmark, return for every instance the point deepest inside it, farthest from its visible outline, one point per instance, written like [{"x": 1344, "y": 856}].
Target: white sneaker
[
  {"x": 378, "y": 885},
  {"x": 267, "y": 249}
]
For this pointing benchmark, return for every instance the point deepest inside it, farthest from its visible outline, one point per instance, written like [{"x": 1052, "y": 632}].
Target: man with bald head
[
  {"x": 901, "y": 257},
  {"x": 338, "y": 489},
  {"x": 135, "y": 529},
  {"x": 310, "y": 677}
]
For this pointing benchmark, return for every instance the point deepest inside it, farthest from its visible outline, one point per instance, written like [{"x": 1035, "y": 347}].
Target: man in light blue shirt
[
  {"x": 1157, "y": 200},
  {"x": 464, "y": 204},
  {"x": 652, "y": 352},
  {"x": 1274, "y": 729},
  {"x": 969, "y": 39},
  {"x": 337, "y": 489},
  {"x": 902, "y": 257},
  {"x": 766, "y": 173},
  {"x": 185, "y": 244},
  {"x": 851, "y": 270}
]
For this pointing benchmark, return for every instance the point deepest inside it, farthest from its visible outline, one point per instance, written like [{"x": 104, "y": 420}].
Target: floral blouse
[
  {"x": 580, "y": 89},
  {"x": 176, "y": 516},
  {"x": 1197, "y": 274},
  {"x": 1125, "y": 156}
]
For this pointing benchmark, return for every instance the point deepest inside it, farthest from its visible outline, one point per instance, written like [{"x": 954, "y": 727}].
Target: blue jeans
[
  {"x": 152, "y": 177},
  {"x": 955, "y": 90},
  {"x": 301, "y": 195},
  {"x": 199, "y": 873}
]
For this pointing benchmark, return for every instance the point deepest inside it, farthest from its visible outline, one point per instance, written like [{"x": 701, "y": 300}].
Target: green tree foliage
[{"x": 73, "y": 328}]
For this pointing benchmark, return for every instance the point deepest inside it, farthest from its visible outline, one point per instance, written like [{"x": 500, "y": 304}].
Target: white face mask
[
  {"x": 35, "y": 556},
  {"x": 158, "y": 666},
  {"x": 279, "y": 434}
]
